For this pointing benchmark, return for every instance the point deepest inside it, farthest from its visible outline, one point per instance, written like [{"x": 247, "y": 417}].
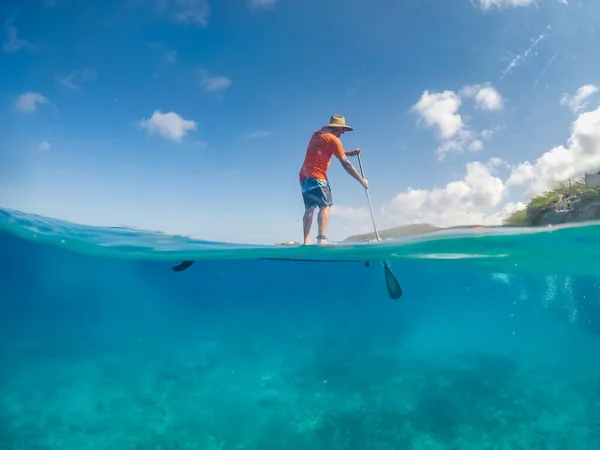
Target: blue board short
[{"x": 316, "y": 192}]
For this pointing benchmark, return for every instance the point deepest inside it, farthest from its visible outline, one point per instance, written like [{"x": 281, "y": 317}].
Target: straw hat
[{"x": 338, "y": 122}]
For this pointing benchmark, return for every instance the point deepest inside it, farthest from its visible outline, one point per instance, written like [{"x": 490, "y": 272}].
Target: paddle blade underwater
[{"x": 392, "y": 284}]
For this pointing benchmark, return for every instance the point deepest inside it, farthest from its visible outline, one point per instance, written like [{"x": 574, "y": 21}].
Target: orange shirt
[{"x": 321, "y": 147}]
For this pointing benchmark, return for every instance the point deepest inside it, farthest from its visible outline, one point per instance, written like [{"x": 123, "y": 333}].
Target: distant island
[{"x": 567, "y": 202}]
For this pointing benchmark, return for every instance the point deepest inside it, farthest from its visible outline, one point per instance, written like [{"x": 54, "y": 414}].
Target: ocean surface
[{"x": 494, "y": 344}]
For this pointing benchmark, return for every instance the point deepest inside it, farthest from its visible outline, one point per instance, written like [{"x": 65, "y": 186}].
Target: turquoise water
[{"x": 493, "y": 345}]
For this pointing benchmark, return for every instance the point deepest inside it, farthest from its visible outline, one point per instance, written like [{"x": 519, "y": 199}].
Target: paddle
[{"x": 394, "y": 287}]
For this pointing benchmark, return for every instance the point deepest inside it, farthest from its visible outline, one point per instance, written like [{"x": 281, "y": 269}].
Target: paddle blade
[
  {"x": 182, "y": 266},
  {"x": 392, "y": 284}
]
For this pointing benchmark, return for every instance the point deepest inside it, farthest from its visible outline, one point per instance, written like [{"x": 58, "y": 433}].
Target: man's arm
[
  {"x": 348, "y": 167},
  {"x": 340, "y": 153},
  {"x": 353, "y": 152}
]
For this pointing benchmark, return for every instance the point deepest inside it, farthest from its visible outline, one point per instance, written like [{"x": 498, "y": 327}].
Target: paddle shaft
[{"x": 362, "y": 172}]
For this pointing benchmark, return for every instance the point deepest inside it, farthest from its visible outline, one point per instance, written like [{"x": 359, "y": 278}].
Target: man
[{"x": 314, "y": 183}]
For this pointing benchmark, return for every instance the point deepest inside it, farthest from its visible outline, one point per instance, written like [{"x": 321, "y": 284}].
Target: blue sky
[{"x": 193, "y": 116}]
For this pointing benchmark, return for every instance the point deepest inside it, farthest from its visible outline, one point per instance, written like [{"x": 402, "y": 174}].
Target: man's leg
[
  {"x": 324, "y": 209},
  {"x": 323, "y": 221},
  {"x": 309, "y": 213},
  {"x": 317, "y": 197}
]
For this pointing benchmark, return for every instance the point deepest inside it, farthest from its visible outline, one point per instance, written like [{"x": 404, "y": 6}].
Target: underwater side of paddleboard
[{"x": 393, "y": 286}]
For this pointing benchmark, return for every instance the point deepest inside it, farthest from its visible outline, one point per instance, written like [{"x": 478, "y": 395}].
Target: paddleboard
[{"x": 186, "y": 264}]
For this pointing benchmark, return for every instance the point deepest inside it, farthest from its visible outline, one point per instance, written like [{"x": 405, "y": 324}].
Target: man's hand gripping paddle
[{"x": 392, "y": 284}]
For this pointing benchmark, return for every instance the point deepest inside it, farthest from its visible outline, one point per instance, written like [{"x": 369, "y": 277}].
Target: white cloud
[
  {"x": 169, "y": 125},
  {"x": 212, "y": 83},
  {"x": 186, "y": 11},
  {"x": 347, "y": 212},
  {"x": 351, "y": 221},
  {"x": 489, "y": 4},
  {"x": 44, "y": 145},
  {"x": 79, "y": 76},
  {"x": 440, "y": 110},
  {"x": 513, "y": 207},
  {"x": 476, "y": 145},
  {"x": 579, "y": 101},
  {"x": 486, "y": 97},
  {"x": 27, "y": 102},
  {"x": 582, "y": 155},
  {"x": 477, "y": 198},
  {"x": 472, "y": 200}
]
